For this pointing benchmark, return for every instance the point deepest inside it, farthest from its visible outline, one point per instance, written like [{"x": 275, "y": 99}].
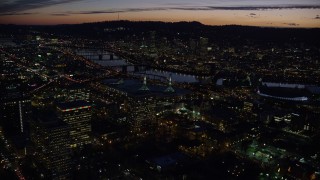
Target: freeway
[
  {"x": 16, "y": 61},
  {"x": 105, "y": 71}
]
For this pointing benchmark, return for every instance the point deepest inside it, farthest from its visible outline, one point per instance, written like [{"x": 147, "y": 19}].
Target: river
[{"x": 117, "y": 62}]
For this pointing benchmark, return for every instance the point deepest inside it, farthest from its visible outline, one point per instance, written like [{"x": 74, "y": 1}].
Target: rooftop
[
  {"x": 49, "y": 119},
  {"x": 74, "y": 105}
]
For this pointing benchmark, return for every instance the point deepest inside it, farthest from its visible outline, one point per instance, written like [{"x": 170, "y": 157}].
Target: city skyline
[
  {"x": 156, "y": 100},
  {"x": 283, "y": 13}
]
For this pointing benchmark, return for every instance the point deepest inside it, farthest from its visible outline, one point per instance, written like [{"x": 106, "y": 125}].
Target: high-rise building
[
  {"x": 77, "y": 115},
  {"x": 72, "y": 93},
  {"x": 203, "y": 46},
  {"x": 143, "y": 113},
  {"x": 152, "y": 42},
  {"x": 50, "y": 136},
  {"x": 14, "y": 104},
  {"x": 14, "y": 113}
]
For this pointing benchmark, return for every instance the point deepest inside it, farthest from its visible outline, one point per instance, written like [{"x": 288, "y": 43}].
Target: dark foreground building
[{"x": 50, "y": 136}]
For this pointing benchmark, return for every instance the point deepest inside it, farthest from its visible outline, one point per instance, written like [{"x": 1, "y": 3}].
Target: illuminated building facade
[
  {"x": 73, "y": 93},
  {"x": 51, "y": 139},
  {"x": 143, "y": 113},
  {"x": 77, "y": 115},
  {"x": 14, "y": 104},
  {"x": 14, "y": 114},
  {"x": 145, "y": 102}
]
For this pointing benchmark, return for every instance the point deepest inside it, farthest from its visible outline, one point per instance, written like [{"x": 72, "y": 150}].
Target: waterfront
[{"x": 118, "y": 62}]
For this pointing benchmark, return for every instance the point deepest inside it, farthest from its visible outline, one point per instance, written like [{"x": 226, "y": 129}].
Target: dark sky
[{"x": 279, "y": 13}]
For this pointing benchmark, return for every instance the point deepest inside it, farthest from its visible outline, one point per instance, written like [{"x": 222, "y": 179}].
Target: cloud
[
  {"x": 244, "y": 8},
  {"x": 8, "y": 7},
  {"x": 59, "y": 14},
  {"x": 17, "y": 14},
  {"x": 252, "y": 15},
  {"x": 15, "y": 6},
  {"x": 291, "y": 24},
  {"x": 201, "y": 8},
  {"x": 111, "y": 11},
  {"x": 266, "y": 7},
  {"x": 190, "y": 8}
]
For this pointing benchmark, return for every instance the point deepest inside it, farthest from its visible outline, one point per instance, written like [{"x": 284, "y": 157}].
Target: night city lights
[{"x": 149, "y": 89}]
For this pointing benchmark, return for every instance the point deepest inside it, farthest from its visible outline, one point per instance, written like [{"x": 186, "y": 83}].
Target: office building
[
  {"x": 74, "y": 92},
  {"x": 14, "y": 104},
  {"x": 50, "y": 136},
  {"x": 77, "y": 115}
]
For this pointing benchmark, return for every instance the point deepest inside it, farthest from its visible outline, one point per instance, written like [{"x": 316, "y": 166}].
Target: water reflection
[{"x": 95, "y": 55}]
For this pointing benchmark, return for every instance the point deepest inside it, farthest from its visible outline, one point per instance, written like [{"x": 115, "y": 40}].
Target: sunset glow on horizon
[{"x": 281, "y": 13}]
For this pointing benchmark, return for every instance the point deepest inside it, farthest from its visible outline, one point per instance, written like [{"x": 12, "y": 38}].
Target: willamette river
[{"x": 118, "y": 62}]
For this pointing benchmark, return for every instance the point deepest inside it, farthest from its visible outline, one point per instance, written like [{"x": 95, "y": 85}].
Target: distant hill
[{"x": 232, "y": 33}]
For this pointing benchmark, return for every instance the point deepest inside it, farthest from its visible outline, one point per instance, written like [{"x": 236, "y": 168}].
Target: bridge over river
[{"x": 105, "y": 58}]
